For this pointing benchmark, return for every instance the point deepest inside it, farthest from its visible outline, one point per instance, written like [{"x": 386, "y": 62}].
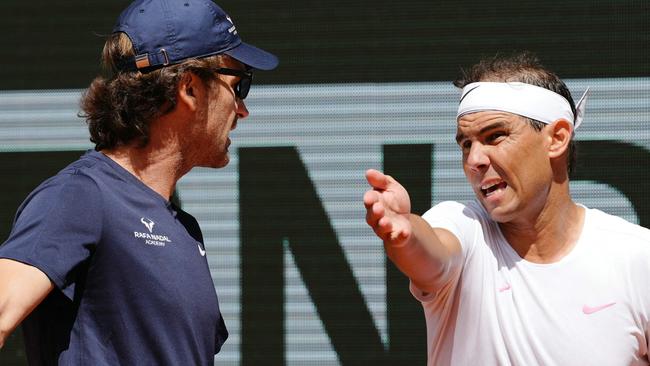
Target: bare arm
[
  {"x": 22, "y": 288},
  {"x": 421, "y": 252}
]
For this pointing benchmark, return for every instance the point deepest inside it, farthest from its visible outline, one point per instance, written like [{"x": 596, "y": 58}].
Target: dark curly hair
[
  {"x": 118, "y": 108},
  {"x": 523, "y": 67}
]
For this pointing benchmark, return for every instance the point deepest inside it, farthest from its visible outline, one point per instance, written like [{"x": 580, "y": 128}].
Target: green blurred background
[{"x": 56, "y": 44}]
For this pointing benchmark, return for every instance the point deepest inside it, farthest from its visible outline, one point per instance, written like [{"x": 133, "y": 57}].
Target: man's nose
[
  {"x": 242, "y": 111},
  {"x": 477, "y": 159}
]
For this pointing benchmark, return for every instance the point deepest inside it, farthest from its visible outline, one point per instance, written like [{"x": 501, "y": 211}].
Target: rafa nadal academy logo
[
  {"x": 148, "y": 223},
  {"x": 150, "y": 238}
]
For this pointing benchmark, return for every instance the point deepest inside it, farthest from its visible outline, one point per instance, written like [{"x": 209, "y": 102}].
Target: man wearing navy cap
[
  {"x": 101, "y": 267},
  {"x": 522, "y": 275}
]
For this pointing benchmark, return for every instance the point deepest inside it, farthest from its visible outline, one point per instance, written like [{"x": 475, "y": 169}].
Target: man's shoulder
[
  {"x": 616, "y": 237},
  {"x": 89, "y": 165},
  {"x": 78, "y": 175},
  {"x": 613, "y": 225},
  {"x": 77, "y": 183},
  {"x": 471, "y": 210},
  {"x": 90, "y": 170},
  {"x": 463, "y": 220}
]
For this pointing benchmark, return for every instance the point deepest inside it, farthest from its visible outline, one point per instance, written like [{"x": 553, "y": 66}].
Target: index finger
[{"x": 370, "y": 198}]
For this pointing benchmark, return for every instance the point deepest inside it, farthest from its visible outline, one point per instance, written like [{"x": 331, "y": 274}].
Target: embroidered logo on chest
[{"x": 150, "y": 238}]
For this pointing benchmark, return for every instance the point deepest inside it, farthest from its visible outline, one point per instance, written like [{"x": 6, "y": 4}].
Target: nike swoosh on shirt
[
  {"x": 201, "y": 250},
  {"x": 594, "y": 309},
  {"x": 505, "y": 288}
]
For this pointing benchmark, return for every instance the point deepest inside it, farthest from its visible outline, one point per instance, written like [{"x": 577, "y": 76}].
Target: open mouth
[{"x": 489, "y": 190}]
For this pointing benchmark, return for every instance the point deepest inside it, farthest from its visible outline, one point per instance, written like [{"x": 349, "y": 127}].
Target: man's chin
[
  {"x": 221, "y": 163},
  {"x": 499, "y": 213},
  {"x": 217, "y": 163}
]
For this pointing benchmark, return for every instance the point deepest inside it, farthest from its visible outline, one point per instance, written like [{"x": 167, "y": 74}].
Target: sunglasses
[{"x": 245, "y": 79}]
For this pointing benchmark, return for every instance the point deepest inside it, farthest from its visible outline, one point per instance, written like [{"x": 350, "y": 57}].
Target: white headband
[{"x": 520, "y": 98}]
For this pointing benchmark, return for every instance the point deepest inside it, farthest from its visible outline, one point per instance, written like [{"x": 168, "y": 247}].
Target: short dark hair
[
  {"x": 523, "y": 67},
  {"x": 119, "y": 108}
]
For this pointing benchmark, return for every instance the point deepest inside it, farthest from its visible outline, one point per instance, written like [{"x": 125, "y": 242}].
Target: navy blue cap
[{"x": 167, "y": 32}]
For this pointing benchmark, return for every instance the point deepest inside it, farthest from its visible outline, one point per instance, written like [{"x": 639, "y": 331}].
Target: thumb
[{"x": 377, "y": 179}]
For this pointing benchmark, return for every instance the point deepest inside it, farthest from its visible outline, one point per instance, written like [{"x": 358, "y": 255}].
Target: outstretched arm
[
  {"x": 423, "y": 253},
  {"x": 22, "y": 288}
]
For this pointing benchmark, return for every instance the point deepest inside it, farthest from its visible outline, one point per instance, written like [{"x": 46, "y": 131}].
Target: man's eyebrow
[
  {"x": 461, "y": 136},
  {"x": 492, "y": 127}
]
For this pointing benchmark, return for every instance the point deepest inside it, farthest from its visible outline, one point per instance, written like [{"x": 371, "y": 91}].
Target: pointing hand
[{"x": 388, "y": 207}]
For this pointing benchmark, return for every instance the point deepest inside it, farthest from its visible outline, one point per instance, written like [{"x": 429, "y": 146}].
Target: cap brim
[{"x": 253, "y": 57}]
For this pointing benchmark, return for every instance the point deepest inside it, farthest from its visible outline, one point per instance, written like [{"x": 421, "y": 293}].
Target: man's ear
[
  {"x": 560, "y": 133},
  {"x": 188, "y": 91}
]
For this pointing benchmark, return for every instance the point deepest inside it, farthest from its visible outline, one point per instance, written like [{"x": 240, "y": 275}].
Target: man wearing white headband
[{"x": 523, "y": 275}]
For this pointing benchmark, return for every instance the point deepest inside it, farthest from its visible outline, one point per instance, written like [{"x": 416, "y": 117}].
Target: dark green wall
[{"x": 56, "y": 44}]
